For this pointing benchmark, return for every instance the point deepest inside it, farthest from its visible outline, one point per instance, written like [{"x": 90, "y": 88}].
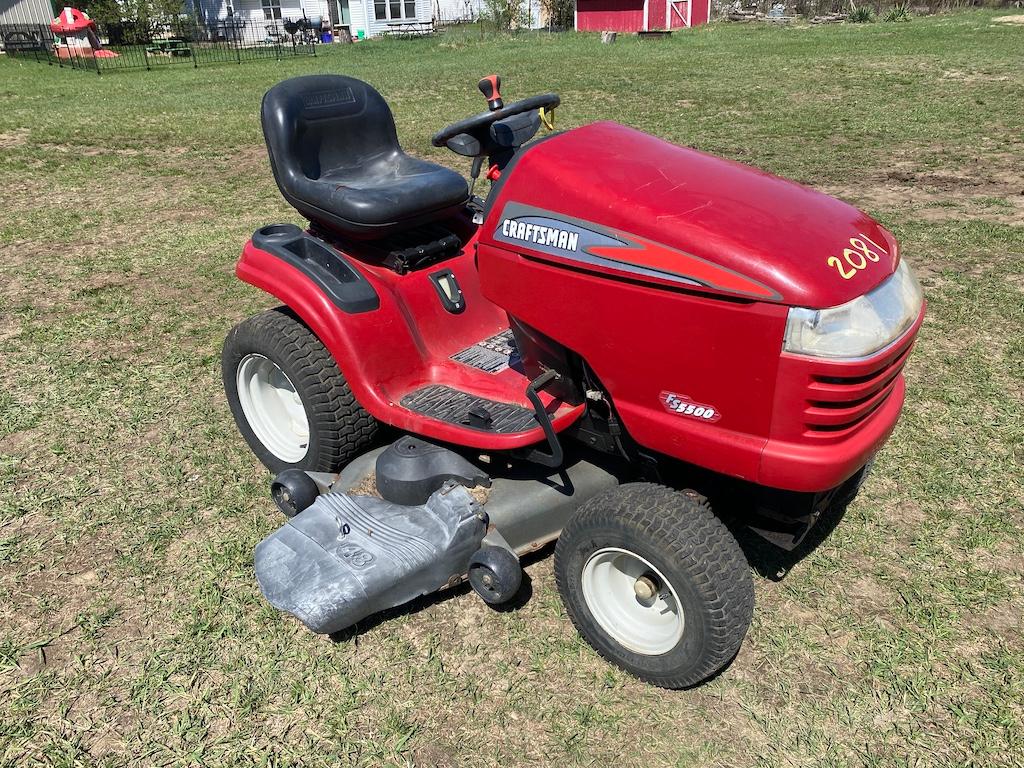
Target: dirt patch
[
  {"x": 21, "y": 443},
  {"x": 1015, "y": 19},
  {"x": 16, "y": 138},
  {"x": 974, "y": 77},
  {"x": 186, "y": 546},
  {"x": 251, "y": 158},
  {"x": 989, "y": 187},
  {"x": 368, "y": 487},
  {"x": 1002, "y": 558},
  {"x": 1004, "y": 619},
  {"x": 433, "y": 756}
]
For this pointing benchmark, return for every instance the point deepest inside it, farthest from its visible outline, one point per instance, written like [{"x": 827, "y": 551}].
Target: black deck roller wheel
[
  {"x": 293, "y": 491},
  {"x": 289, "y": 399},
  {"x": 495, "y": 574},
  {"x": 655, "y": 583}
]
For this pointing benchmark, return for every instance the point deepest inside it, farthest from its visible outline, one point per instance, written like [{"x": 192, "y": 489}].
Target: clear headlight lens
[{"x": 859, "y": 327}]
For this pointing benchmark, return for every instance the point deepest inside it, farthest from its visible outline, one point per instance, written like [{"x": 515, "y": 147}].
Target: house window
[
  {"x": 394, "y": 10},
  {"x": 271, "y": 9}
]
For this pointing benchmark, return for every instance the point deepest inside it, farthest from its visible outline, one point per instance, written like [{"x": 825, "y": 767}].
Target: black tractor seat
[{"x": 336, "y": 158}]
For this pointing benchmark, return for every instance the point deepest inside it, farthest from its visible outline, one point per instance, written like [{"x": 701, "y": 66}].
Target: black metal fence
[{"x": 148, "y": 45}]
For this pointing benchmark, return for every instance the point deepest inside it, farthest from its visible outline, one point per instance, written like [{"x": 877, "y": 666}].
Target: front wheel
[
  {"x": 289, "y": 399},
  {"x": 655, "y": 583}
]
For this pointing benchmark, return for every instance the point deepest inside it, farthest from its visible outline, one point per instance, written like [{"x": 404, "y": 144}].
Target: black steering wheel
[{"x": 497, "y": 110}]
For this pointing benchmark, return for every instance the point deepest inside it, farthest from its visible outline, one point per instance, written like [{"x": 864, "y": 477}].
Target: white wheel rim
[
  {"x": 649, "y": 627},
  {"x": 273, "y": 408}
]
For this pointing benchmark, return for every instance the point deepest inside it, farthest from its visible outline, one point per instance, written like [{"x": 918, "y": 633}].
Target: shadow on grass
[
  {"x": 773, "y": 562},
  {"x": 425, "y": 601}
]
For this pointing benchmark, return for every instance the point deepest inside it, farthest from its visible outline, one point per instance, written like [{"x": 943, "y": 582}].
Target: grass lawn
[{"x": 131, "y": 627}]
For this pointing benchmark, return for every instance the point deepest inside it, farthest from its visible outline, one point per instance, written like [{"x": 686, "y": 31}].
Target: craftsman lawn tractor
[{"x": 620, "y": 338}]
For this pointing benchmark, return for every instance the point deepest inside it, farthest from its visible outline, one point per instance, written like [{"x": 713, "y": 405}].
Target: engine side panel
[{"x": 657, "y": 350}]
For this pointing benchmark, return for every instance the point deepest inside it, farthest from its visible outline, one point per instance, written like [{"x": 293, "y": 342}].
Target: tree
[
  {"x": 560, "y": 13},
  {"x": 506, "y": 14},
  {"x": 135, "y": 21},
  {"x": 104, "y": 11}
]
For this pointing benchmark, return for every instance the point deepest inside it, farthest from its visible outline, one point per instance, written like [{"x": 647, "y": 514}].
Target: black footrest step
[{"x": 469, "y": 411}]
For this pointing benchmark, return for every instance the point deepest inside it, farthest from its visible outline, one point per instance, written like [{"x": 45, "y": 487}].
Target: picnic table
[
  {"x": 169, "y": 47},
  {"x": 409, "y": 28}
]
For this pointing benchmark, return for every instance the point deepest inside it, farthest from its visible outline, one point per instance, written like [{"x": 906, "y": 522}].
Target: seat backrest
[{"x": 319, "y": 123}]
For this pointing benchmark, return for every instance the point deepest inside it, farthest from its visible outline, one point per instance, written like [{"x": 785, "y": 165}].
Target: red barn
[{"x": 640, "y": 15}]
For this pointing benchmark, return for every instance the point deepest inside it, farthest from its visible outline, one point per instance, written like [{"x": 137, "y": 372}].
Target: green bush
[
  {"x": 861, "y": 15},
  {"x": 899, "y": 12}
]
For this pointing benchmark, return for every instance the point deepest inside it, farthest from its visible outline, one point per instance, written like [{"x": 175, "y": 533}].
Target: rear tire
[
  {"x": 655, "y": 583},
  {"x": 285, "y": 373}
]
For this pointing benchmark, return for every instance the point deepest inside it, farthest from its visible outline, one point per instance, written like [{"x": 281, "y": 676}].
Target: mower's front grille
[{"x": 836, "y": 404}]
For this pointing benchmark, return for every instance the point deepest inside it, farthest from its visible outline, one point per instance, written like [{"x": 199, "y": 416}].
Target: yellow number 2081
[{"x": 855, "y": 258}]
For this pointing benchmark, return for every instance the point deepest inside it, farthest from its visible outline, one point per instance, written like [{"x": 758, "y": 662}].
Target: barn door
[
  {"x": 679, "y": 14},
  {"x": 653, "y": 17}
]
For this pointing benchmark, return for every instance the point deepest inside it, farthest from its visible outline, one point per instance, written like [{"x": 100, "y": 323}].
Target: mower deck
[{"x": 527, "y": 504}]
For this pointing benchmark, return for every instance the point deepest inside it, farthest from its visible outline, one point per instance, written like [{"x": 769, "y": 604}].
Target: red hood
[{"x": 684, "y": 215}]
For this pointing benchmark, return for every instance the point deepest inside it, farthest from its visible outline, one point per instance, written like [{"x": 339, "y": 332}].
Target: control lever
[
  {"x": 474, "y": 172},
  {"x": 555, "y": 457},
  {"x": 489, "y": 87}
]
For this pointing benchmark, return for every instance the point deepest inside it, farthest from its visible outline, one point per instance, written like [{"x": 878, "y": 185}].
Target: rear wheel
[
  {"x": 288, "y": 397},
  {"x": 655, "y": 583}
]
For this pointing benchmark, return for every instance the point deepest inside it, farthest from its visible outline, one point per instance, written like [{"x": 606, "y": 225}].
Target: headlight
[{"x": 859, "y": 327}]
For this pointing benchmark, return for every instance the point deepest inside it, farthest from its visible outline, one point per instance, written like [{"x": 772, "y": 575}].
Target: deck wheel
[{"x": 495, "y": 574}]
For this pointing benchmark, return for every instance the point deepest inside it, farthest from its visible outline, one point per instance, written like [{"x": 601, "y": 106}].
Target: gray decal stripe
[
  {"x": 525, "y": 226},
  {"x": 512, "y": 230}
]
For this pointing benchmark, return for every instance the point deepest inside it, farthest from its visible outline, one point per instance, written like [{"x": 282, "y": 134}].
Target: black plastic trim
[
  {"x": 342, "y": 283},
  {"x": 411, "y": 469}
]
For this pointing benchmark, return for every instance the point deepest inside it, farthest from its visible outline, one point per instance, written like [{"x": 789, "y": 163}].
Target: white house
[
  {"x": 369, "y": 17},
  {"x": 448, "y": 11},
  {"x": 26, "y": 12}
]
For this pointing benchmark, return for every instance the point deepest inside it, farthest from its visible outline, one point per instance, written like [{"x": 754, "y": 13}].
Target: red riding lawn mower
[{"x": 621, "y": 334}]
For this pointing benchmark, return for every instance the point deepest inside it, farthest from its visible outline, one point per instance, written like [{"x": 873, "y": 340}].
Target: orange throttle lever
[{"x": 489, "y": 87}]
